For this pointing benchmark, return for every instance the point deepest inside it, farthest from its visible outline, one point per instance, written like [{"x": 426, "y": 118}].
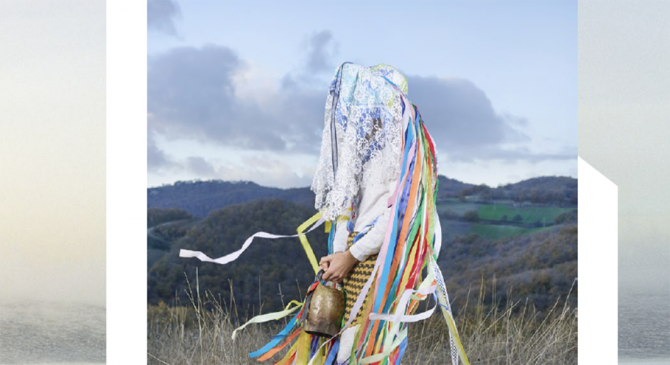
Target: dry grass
[{"x": 200, "y": 333}]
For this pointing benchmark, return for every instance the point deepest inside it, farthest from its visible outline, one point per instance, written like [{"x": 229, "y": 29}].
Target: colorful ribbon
[{"x": 412, "y": 242}]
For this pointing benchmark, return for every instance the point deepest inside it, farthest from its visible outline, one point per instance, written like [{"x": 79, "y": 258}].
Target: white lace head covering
[{"x": 362, "y": 135}]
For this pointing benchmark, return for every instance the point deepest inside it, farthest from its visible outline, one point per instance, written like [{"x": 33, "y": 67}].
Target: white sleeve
[
  {"x": 372, "y": 241},
  {"x": 340, "y": 239},
  {"x": 341, "y": 233}
]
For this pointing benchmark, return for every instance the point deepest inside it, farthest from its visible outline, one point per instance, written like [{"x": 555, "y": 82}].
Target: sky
[
  {"x": 235, "y": 93},
  {"x": 624, "y": 124},
  {"x": 52, "y": 150}
]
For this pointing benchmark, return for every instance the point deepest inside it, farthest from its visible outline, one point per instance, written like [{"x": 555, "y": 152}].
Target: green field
[
  {"x": 496, "y": 231},
  {"x": 452, "y": 228},
  {"x": 458, "y": 207},
  {"x": 530, "y": 214}
]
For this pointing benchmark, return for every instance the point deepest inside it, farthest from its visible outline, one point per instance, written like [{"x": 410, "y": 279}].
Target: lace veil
[{"x": 361, "y": 141}]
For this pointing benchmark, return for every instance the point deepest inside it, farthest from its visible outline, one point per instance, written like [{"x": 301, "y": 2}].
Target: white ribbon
[{"x": 233, "y": 256}]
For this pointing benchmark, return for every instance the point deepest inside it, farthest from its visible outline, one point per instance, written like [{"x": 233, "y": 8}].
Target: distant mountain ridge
[
  {"x": 539, "y": 264},
  {"x": 450, "y": 188},
  {"x": 199, "y": 198}
]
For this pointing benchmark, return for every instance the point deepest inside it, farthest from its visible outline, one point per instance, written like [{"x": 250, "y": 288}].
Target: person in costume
[
  {"x": 361, "y": 227},
  {"x": 375, "y": 188}
]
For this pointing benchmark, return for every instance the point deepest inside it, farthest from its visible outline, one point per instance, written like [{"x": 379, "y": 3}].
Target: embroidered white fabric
[{"x": 368, "y": 122}]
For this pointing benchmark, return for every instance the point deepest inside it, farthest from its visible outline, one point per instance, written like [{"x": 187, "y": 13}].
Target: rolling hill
[
  {"x": 535, "y": 254},
  {"x": 201, "y": 197}
]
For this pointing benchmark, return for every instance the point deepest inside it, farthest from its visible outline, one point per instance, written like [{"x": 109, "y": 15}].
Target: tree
[
  {"x": 462, "y": 195},
  {"x": 471, "y": 216},
  {"x": 517, "y": 218},
  {"x": 566, "y": 217},
  {"x": 485, "y": 195}
]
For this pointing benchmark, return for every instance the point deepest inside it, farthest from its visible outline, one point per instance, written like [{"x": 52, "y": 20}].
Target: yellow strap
[
  {"x": 457, "y": 340},
  {"x": 304, "y": 348},
  {"x": 450, "y": 320},
  {"x": 305, "y": 243},
  {"x": 287, "y": 357},
  {"x": 387, "y": 351},
  {"x": 270, "y": 316},
  {"x": 342, "y": 218},
  {"x": 410, "y": 263},
  {"x": 312, "y": 259}
]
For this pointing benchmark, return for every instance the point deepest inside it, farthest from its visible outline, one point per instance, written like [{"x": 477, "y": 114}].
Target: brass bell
[{"x": 325, "y": 311}]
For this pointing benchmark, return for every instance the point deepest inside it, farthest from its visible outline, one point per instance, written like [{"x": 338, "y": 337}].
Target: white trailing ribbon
[{"x": 234, "y": 255}]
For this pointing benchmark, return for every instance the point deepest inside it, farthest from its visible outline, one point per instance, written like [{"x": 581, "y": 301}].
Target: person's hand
[
  {"x": 323, "y": 264},
  {"x": 337, "y": 266},
  {"x": 325, "y": 261}
]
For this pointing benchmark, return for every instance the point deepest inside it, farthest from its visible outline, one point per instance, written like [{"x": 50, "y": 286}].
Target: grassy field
[
  {"x": 496, "y": 231},
  {"x": 452, "y": 228},
  {"x": 200, "y": 333},
  {"x": 529, "y": 214},
  {"x": 458, "y": 207}
]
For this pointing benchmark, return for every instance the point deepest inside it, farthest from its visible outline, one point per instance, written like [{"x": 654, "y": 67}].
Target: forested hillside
[
  {"x": 201, "y": 197},
  {"x": 539, "y": 190},
  {"x": 539, "y": 266},
  {"x": 530, "y": 248},
  {"x": 268, "y": 263},
  {"x": 450, "y": 188}
]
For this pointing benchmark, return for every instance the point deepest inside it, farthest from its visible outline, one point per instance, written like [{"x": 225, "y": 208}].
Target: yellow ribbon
[
  {"x": 305, "y": 243},
  {"x": 270, "y": 316}
]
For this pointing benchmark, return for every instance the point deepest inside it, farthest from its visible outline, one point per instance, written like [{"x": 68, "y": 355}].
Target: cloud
[
  {"x": 489, "y": 153},
  {"x": 157, "y": 159},
  {"x": 459, "y": 114},
  {"x": 464, "y": 124},
  {"x": 193, "y": 94},
  {"x": 265, "y": 169},
  {"x": 321, "y": 51},
  {"x": 199, "y": 166},
  {"x": 514, "y": 119},
  {"x": 161, "y": 15}
]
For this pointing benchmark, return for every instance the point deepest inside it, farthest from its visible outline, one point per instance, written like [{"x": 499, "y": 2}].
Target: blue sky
[{"x": 237, "y": 89}]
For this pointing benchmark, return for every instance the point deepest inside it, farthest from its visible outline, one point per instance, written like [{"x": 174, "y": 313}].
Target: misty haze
[
  {"x": 51, "y": 312},
  {"x": 52, "y": 182},
  {"x": 623, "y": 130},
  {"x": 644, "y": 325},
  {"x": 644, "y": 303},
  {"x": 51, "y": 332}
]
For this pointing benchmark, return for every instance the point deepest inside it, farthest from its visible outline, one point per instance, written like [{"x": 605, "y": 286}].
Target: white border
[
  {"x": 126, "y": 181},
  {"x": 597, "y": 267},
  {"x": 126, "y": 210}
]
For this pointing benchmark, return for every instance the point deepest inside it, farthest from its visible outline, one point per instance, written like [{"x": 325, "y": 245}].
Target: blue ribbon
[{"x": 276, "y": 339}]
